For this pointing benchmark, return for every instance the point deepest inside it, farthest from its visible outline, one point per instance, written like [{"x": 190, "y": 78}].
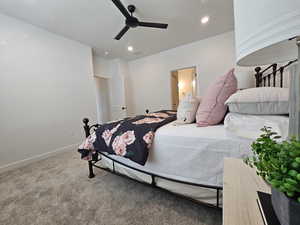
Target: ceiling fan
[{"x": 133, "y": 22}]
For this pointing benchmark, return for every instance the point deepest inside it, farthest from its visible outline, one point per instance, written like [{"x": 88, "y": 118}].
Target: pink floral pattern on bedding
[
  {"x": 172, "y": 112},
  {"x": 162, "y": 115},
  {"x": 131, "y": 137},
  {"x": 148, "y": 120},
  {"x": 120, "y": 143},
  {"x": 107, "y": 134},
  {"x": 148, "y": 138},
  {"x": 119, "y": 146},
  {"x": 128, "y": 137},
  {"x": 89, "y": 144}
]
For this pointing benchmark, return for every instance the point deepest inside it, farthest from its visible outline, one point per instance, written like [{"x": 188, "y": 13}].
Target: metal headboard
[{"x": 268, "y": 77}]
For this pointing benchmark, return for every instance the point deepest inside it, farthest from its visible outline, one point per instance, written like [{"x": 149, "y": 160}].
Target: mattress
[{"x": 192, "y": 153}]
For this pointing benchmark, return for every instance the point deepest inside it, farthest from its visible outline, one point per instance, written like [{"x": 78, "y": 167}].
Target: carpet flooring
[{"x": 57, "y": 191}]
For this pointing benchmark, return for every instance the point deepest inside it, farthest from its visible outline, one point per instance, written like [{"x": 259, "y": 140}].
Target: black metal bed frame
[
  {"x": 98, "y": 157},
  {"x": 264, "y": 76},
  {"x": 262, "y": 80}
]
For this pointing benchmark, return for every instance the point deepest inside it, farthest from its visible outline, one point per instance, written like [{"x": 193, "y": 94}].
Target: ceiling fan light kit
[{"x": 133, "y": 22}]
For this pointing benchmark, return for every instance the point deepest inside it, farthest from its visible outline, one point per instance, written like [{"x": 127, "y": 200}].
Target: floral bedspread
[{"x": 130, "y": 137}]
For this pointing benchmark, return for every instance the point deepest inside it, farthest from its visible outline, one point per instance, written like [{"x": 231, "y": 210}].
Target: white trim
[{"x": 32, "y": 159}]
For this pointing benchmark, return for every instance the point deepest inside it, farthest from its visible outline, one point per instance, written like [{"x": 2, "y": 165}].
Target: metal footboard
[{"x": 97, "y": 157}]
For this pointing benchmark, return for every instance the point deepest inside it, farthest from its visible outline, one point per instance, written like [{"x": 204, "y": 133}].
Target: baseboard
[{"x": 32, "y": 159}]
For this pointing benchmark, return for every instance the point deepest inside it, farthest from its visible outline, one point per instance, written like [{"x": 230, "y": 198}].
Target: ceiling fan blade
[
  {"x": 122, "y": 32},
  {"x": 122, "y": 8},
  {"x": 153, "y": 25}
]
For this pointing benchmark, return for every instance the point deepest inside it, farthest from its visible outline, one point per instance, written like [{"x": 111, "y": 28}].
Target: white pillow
[
  {"x": 248, "y": 126},
  {"x": 187, "y": 109},
  {"x": 260, "y": 101}
]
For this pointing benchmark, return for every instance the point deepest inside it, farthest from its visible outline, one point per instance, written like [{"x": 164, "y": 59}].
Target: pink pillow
[{"x": 212, "y": 108}]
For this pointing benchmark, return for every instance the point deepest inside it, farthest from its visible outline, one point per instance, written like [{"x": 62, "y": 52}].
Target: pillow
[
  {"x": 260, "y": 101},
  {"x": 186, "y": 112},
  {"x": 212, "y": 108},
  {"x": 248, "y": 126}
]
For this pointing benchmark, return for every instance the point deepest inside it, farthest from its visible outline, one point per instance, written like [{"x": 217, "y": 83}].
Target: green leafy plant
[{"x": 277, "y": 162}]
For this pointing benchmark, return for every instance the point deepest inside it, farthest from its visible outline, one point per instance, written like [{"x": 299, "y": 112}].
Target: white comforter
[
  {"x": 192, "y": 153},
  {"x": 249, "y": 126}
]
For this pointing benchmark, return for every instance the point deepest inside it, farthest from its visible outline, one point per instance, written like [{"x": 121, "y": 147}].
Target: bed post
[
  {"x": 87, "y": 133},
  {"x": 258, "y": 76},
  {"x": 294, "y": 119}
]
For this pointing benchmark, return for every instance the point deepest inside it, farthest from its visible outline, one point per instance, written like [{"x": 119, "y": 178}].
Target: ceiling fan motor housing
[{"x": 132, "y": 22}]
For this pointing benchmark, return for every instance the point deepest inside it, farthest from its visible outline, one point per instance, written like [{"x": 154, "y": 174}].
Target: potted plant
[{"x": 279, "y": 164}]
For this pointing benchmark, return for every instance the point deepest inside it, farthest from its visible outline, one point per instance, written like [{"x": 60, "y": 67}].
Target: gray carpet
[{"x": 57, "y": 191}]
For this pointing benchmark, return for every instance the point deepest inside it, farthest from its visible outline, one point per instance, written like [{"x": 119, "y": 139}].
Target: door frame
[
  {"x": 99, "y": 97},
  {"x": 183, "y": 68}
]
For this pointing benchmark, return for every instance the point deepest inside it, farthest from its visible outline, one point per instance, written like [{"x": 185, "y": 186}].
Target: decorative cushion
[
  {"x": 186, "y": 112},
  {"x": 260, "y": 101},
  {"x": 212, "y": 108}
]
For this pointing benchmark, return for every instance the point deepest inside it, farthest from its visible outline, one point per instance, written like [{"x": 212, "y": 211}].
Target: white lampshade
[{"x": 263, "y": 29}]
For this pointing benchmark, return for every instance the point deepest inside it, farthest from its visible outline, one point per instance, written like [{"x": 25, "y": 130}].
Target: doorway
[
  {"x": 183, "y": 82},
  {"x": 102, "y": 98}
]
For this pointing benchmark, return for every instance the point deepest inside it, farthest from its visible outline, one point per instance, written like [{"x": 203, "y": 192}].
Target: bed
[{"x": 186, "y": 160}]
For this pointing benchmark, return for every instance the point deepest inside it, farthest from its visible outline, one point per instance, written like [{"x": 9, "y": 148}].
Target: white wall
[
  {"x": 46, "y": 88},
  {"x": 102, "y": 66},
  {"x": 148, "y": 80},
  {"x": 117, "y": 72},
  {"x": 150, "y": 76}
]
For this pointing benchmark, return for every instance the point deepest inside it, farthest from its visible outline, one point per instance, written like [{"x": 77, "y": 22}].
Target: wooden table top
[{"x": 241, "y": 184}]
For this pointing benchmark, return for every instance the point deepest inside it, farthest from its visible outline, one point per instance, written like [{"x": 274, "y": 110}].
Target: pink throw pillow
[{"x": 212, "y": 108}]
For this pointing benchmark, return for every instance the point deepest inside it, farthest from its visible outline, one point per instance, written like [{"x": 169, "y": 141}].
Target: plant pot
[{"x": 286, "y": 209}]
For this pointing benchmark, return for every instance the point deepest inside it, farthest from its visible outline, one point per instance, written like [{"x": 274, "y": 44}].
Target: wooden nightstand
[{"x": 240, "y": 194}]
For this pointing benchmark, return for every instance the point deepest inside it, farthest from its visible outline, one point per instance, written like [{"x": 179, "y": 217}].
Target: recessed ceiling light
[
  {"x": 130, "y": 48},
  {"x": 204, "y": 19},
  {"x": 106, "y": 53}
]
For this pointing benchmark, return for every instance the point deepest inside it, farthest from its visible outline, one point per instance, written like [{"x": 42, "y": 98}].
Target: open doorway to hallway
[
  {"x": 183, "y": 82},
  {"x": 102, "y": 99}
]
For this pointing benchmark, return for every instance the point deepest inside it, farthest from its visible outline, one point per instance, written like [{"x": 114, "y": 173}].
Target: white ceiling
[{"x": 97, "y": 22}]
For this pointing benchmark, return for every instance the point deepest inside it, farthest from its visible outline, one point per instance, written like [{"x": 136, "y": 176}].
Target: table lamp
[{"x": 267, "y": 32}]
